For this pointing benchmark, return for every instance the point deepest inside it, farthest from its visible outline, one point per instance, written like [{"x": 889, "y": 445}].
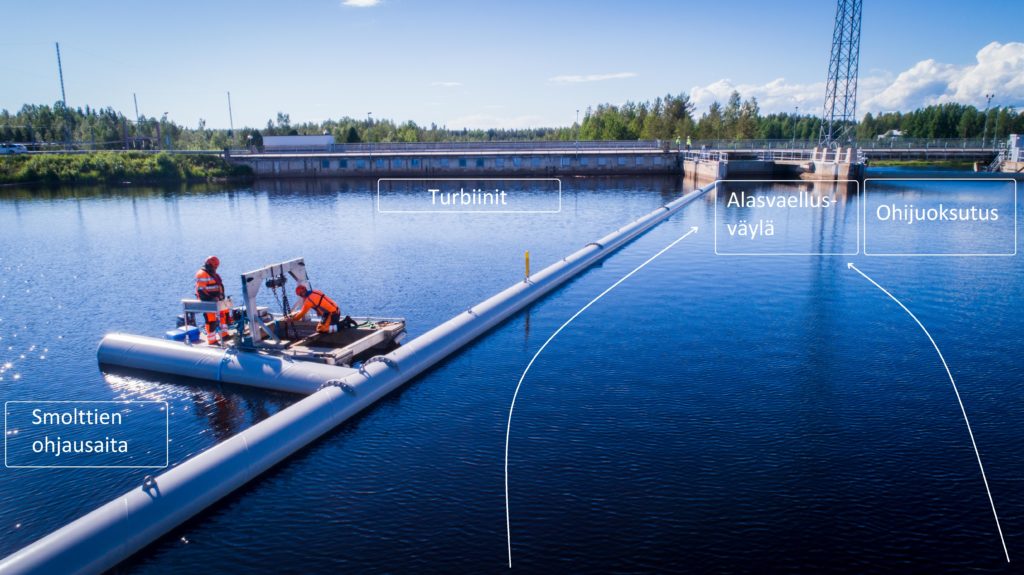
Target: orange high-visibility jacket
[
  {"x": 209, "y": 287},
  {"x": 317, "y": 300}
]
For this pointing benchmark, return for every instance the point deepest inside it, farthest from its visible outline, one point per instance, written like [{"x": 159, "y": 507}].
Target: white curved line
[
  {"x": 957, "y": 392},
  {"x": 508, "y": 428}
]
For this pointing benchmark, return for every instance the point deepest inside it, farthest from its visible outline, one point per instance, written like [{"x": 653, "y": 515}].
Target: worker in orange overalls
[
  {"x": 209, "y": 287},
  {"x": 329, "y": 312}
]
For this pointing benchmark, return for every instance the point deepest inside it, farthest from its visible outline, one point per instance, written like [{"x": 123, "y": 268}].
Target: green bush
[{"x": 114, "y": 168}]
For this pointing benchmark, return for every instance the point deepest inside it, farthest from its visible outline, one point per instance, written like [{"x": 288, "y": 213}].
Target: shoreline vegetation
[
  {"x": 117, "y": 168},
  {"x": 42, "y": 127}
]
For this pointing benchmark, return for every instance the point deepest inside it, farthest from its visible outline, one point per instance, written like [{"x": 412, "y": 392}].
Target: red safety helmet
[
  {"x": 301, "y": 291},
  {"x": 213, "y": 262}
]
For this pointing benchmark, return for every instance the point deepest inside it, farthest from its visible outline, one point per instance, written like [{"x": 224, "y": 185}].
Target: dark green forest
[{"x": 663, "y": 118}]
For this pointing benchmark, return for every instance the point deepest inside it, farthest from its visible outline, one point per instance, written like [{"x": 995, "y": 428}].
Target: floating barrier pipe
[
  {"x": 217, "y": 364},
  {"x": 112, "y": 533}
]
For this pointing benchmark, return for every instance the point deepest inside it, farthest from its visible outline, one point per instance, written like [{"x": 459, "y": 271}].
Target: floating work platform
[
  {"x": 261, "y": 348},
  {"x": 303, "y": 366},
  {"x": 110, "y": 534},
  {"x": 301, "y": 340},
  {"x": 370, "y": 337}
]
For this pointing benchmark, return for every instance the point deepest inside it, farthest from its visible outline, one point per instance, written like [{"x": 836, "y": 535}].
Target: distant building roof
[
  {"x": 891, "y": 134},
  {"x": 297, "y": 141}
]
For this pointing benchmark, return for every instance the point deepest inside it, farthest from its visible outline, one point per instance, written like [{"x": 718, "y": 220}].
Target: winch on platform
[{"x": 258, "y": 329}]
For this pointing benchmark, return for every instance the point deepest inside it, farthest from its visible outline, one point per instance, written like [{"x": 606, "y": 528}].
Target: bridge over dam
[{"x": 593, "y": 158}]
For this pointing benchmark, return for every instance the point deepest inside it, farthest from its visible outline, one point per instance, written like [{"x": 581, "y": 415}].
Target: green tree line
[
  {"x": 664, "y": 118},
  {"x": 948, "y": 120}
]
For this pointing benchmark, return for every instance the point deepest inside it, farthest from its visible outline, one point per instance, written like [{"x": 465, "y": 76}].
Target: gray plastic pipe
[
  {"x": 108, "y": 535},
  {"x": 217, "y": 364}
]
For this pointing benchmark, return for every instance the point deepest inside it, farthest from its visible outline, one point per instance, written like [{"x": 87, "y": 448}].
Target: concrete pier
[
  {"x": 1014, "y": 169},
  {"x": 835, "y": 164},
  {"x": 822, "y": 165}
]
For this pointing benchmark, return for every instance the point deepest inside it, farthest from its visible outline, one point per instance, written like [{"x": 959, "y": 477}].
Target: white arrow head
[
  {"x": 693, "y": 229},
  {"x": 849, "y": 265}
]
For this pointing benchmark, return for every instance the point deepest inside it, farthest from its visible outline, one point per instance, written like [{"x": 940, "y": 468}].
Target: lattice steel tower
[{"x": 841, "y": 89}]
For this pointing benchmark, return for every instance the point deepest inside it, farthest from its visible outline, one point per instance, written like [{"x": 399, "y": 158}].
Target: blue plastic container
[{"x": 183, "y": 333}]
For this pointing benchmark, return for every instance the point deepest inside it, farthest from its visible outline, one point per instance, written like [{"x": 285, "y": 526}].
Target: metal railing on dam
[
  {"x": 581, "y": 146},
  {"x": 468, "y": 161},
  {"x": 539, "y": 145},
  {"x": 589, "y": 146}
]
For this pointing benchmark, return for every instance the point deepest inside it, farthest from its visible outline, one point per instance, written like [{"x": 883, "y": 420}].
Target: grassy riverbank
[{"x": 116, "y": 168}]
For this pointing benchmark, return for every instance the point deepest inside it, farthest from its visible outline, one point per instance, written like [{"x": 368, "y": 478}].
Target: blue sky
[{"x": 485, "y": 63}]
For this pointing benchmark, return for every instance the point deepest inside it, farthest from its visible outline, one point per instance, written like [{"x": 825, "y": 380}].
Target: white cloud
[
  {"x": 360, "y": 3},
  {"x": 999, "y": 69},
  {"x": 774, "y": 96},
  {"x": 484, "y": 121},
  {"x": 577, "y": 78},
  {"x": 446, "y": 84},
  {"x": 925, "y": 83}
]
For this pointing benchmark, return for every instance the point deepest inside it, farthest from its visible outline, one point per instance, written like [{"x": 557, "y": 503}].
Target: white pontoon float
[{"x": 263, "y": 349}]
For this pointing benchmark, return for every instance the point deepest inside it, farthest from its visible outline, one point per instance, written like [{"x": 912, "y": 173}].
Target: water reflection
[
  {"x": 224, "y": 409},
  {"x": 814, "y": 228},
  {"x": 108, "y": 192},
  {"x": 223, "y": 414}
]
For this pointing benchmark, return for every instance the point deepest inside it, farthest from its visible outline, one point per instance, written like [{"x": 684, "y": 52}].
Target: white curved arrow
[
  {"x": 960, "y": 401},
  {"x": 508, "y": 428}
]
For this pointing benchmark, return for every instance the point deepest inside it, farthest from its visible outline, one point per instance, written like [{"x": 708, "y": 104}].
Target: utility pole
[
  {"x": 231, "y": 119},
  {"x": 796, "y": 118},
  {"x": 577, "y": 132},
  {"x": 166, "y": 142},
  {"x": 60, "y": 74},
  {"x": 995, "y": 133},
  {"x": 63, "y": 98},
  {"x": 137, "y": 126},
  {"x": 984, "y": 133}
]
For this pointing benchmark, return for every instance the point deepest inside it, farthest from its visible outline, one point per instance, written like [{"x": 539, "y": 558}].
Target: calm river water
[{"x": 730, "y": 414}]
